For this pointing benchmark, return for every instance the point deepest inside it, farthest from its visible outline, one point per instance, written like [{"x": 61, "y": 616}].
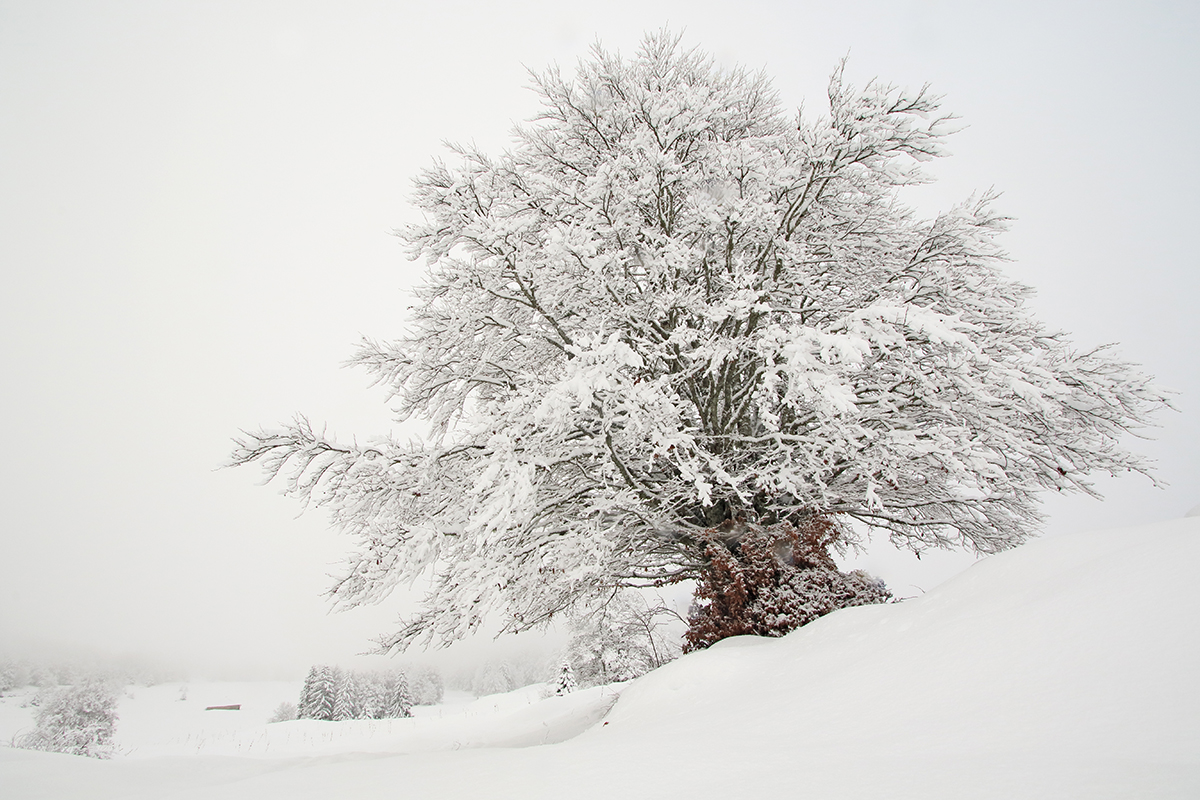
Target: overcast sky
[{"x": 195, "y": 206}]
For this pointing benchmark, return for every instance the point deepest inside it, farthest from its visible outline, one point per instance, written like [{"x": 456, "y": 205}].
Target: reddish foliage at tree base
[{"x": 768, "y": 581}]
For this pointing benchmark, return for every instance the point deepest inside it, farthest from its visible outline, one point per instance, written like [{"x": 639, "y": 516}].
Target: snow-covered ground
[{"x": 1067, "y": 668}]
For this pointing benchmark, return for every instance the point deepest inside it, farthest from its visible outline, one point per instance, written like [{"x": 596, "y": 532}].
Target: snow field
[
  {"x": 1063, "y": 669},
  {"x": 154, "y": 722}
]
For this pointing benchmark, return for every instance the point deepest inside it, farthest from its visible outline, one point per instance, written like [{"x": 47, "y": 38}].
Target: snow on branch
[{"x": 669, "y": 306}]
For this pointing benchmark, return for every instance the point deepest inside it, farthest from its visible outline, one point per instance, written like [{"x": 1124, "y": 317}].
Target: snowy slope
[{"x": 1066, "y": 668}]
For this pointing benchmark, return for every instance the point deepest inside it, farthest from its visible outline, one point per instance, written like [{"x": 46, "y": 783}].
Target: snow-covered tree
[
  {"x": 348, "y": 699},
  {"x": 42, "y": 676},
  {"x": 373, "y": 696},
  {"x": 425, "y": 685},
  {"x": 671, "y": 305},
  {"x": 398, "y": 700},
  {"x": 319, "y": 694},
  {"x": 304, "y": 708},
  {"x": 331, "y": 693},
  {"x": 19, "y": 673},
  {"x": 566, "y": 679},
  {"x": 8, "y": 677},
  {"x": 78, "y": 720}
]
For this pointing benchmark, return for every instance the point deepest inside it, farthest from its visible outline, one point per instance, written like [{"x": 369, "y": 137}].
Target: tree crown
[{"x": 670, "y": 305}]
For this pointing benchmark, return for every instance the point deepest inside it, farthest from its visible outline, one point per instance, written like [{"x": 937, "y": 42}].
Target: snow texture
[{"x": 1062, "y": 669}]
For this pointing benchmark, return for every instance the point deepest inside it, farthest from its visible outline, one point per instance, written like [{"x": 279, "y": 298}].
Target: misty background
[{"x": 195, "y": 207}]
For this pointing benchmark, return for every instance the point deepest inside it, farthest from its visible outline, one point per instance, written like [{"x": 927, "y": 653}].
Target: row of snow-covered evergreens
[{"x": 331, "y": 693}]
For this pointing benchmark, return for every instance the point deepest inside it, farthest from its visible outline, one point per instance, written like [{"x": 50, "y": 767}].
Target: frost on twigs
[
  {"x": 671, "y": 303},
  {"x": 768, "y": 581},
  {"x": 619, "y": 638}
]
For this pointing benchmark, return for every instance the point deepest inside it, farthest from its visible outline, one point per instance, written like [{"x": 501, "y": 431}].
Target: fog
[{"x": 195, "y": 206}]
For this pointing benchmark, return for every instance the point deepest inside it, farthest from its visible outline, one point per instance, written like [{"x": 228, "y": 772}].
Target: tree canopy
[{"x": 670, "y": 305}]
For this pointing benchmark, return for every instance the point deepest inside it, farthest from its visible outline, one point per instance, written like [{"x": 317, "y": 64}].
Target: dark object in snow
[
  {"x": 770, "y": 580},
  {"x": 237, "y": 707}
]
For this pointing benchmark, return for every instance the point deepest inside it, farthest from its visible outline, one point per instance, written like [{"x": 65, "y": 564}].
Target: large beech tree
[{"x": 671, "y": 306}]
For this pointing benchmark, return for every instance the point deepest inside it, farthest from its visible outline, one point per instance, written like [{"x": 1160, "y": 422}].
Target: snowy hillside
[{"x": 1065, "y": 668}]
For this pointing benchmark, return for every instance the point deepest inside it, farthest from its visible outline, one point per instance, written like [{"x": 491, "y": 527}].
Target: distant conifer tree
[
  {"x": 323, "y": 693},
  {"x": 346, "y": 703},
  {"x": 566, "y": 680},
  {"x": 399, "y": 699},
  {"x": 305, "y": 708},
  {"x": 424, "y": 684}
]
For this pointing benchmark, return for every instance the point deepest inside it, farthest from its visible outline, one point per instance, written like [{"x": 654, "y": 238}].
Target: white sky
[{"x": 195, "y": 201}]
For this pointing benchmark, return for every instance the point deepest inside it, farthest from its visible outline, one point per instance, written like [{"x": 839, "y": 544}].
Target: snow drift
[{"x": 1064, "y": 668}]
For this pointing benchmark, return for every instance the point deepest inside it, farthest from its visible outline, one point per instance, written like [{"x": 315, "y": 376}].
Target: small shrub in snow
[
  {"x": 38, "y": 698},
  {"x": 566, "y": 680},
  {"x": 284, "y": 712},
  {"x": 768, "y": 581},
  {"x": 79, "y": 721},
  {"x": 619, "y": 640}
]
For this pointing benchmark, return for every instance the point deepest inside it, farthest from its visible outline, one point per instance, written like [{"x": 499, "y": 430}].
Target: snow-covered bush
[
  {"x": 770, "y": 580},
  {"x": 42, "y": 676},
  {"x": 618, "y": 640},
  {"x": 284, "y": 712},
  {"x": 40, "y": 697},
  {"x": 78, "y": 720},
  {"x": 16, "y": 674},
  {"x": 8, "y": 678},
  {"x": 424, "y": 684}
]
